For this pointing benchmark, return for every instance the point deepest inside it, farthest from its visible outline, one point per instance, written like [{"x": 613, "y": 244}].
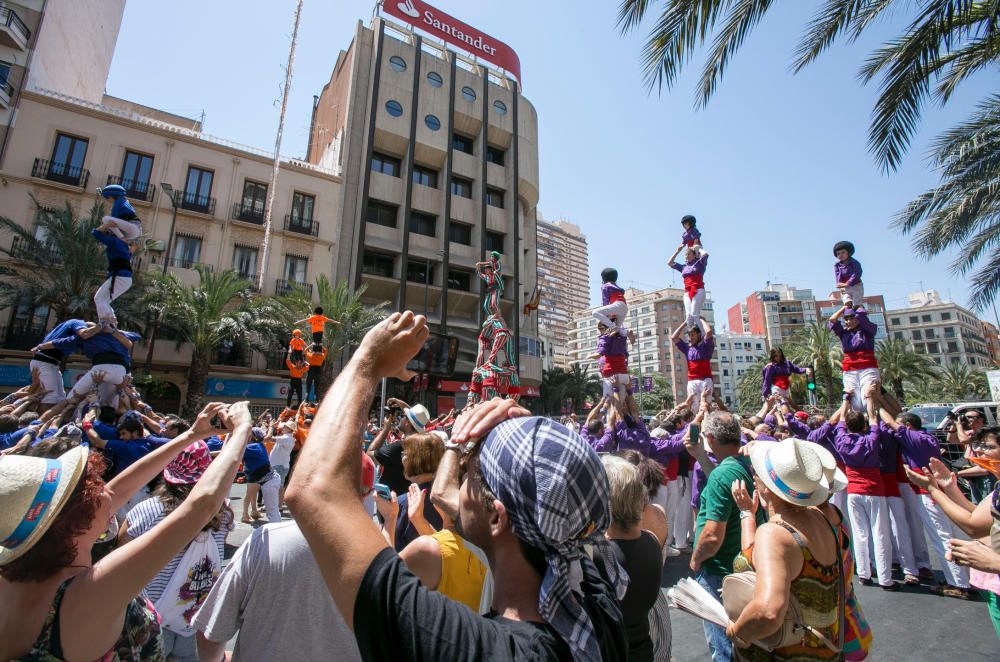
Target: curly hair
[{"x": 56, "y": 549}]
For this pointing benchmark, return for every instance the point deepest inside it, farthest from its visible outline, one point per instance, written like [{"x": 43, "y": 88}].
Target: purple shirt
[
  {"x": 607, "y": 289},
  {"x": 667, "y": 448},
  {"x": 772, "y": 370},
  {"x": 691, "y": 236},
  {"x": 888, "y": 449},
  {"x": 635, "y": 437},
  {"x": 700, "y": 352},
  {"x": 694, "y": 268},
  {"x": 862, "y": 338},
  {"x": 798, "y": 429},
  {"x": 848, "y": 273},
  {"x": 612, "y": 344},
  {"x": 917, "y": 447},
  {"x": 603, "y": 444},
  {"x": 823, "y": 435},
  {"x": 859, "y": 451}
]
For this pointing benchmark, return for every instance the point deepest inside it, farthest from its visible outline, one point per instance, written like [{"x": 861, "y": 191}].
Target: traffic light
[{"x": 811, "y": 379}]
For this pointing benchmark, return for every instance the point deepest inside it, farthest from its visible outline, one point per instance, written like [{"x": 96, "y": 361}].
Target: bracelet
[{"x": 746, "y": 513}]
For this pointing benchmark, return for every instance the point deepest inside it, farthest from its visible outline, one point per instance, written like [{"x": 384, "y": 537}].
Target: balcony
[
  {"x": 252, "y": 278},
  {"x": 299, "y": 225},
  {"x": 184, "y": 263},
  {"x": 248, "y": 213},
  {"x": 22, "y": 335},
  {"x": 13, "y": 32},
  {"x": 274, "y": 359},
  {"x": 283, "y": 287},
  {"x": 60, "y": 172},
  {"x": 233, "y": 354},
  {"x": 201, "y": 204},
  {"x": 28, "y": 251},
  {"x": 144, "y": 191}
]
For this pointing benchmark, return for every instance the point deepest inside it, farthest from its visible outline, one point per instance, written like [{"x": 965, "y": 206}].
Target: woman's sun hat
[
  {"x": 189, "y": 465},
  {"x": 794, "y": 471},
  {"x": 33, "y": 491}
]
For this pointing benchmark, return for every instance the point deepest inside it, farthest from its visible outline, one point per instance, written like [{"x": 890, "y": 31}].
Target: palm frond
[
  {"x": 743, "y": 16},
  {"x": 833, "y": 19},
  {"x": 631, "y": 13}
]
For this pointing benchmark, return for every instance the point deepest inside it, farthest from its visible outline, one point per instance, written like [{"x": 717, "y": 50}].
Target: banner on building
[
  {"x": 246, "y": 389},
  {"x": 993, "y": 377}
]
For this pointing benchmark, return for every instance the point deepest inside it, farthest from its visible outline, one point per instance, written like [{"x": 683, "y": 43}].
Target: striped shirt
[{"x": 147, "y": 514}]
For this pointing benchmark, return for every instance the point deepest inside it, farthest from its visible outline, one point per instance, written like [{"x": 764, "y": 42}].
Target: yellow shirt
[{"x": 462, "y": 573}]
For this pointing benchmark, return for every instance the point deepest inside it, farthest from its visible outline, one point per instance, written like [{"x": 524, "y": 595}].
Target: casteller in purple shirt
[
  {"x": 859, "y": 451},
  {"x": 603, "y": 444},
  {"x": 847, "y": 273},
  {"x": 632, "y": 434},
  {"x": 917, "y": 446},
  {"x": 823, "y": 435},
  {"x": 667, "y": 448},
  {"x": 861, "y": 339}
]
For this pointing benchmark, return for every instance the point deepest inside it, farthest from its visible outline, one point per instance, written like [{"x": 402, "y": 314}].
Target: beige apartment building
[
  {"x": 653, "y": 316},
  {"x": 440, "y": 162},
  {"x": 563, "y": 273},
  {"x": 948, "y": 333}
]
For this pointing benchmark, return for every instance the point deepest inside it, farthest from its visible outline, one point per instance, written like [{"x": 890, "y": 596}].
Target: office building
[
  {"x": 948, "y": 333},
  {"x": 737, "y": 353},
  {"x": 563, "y": 284}
]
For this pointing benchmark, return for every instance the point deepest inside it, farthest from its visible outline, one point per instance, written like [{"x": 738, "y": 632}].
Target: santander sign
[{"x": 453, "y": 31}]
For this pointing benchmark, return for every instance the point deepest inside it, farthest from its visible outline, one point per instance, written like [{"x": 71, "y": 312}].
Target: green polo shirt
[{"x": 716, "y": 503}]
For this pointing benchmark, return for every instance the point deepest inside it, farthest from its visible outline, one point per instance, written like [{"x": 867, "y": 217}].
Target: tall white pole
[{"x": 277, "y": 149}]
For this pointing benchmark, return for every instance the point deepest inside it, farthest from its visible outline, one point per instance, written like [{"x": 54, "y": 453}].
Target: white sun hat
[
  {"x": 418, "y": 416},
  {"x": 795, "y": 471},
  {"x": 33, "y": 491}
]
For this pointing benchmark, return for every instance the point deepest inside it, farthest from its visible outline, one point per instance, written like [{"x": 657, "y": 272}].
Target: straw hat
[
  {"x": 33, "y": 491},
  {"x": 418, "y": 416},
  {"x": 795, "y": 471}
]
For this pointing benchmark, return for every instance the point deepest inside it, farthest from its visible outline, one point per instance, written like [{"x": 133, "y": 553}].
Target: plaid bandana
[{"x": 556, "y": 495}]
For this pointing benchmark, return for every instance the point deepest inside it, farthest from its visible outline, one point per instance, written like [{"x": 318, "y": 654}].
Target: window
[
  {"x": 4, "y": 73},
  {"x": 302, "y": 208},
  {"x": 385, "y": 164},
  {"x": 895, "y": 321},
  {"x": 462, "y": 143},
  {"x": 917, "y": 335},
  {"x": 918, "y": 347},
  {"x": 434, "y": 78},
  {"x": 377, "y": 264},
  {"x": 423, "y": 223},
  {"x": 381, "y": 213},
  {"x": 925, "y": 318},
  {"x": 898, "y": 335},
  {"x": 425, "y": 176},
  {"x": 66, "y": 164},
  {"x": 136, "y": 171},
  {"x": 417, "y": 271},
  {"x": 914, "y": 319},
  {"x": 198, "y": 190},
  {"x": 295, "y": 268},
  {"x": 468, "y": 93},
  {"x": 393, "y": 107},
  {"x": 929, "y": 334},
  {"x": 397, "y": 63},
  {"x": 494, "y": 241},
  {"x": 460, "y": 233},
  {"x": 494, "y": 197},
  {"x": 252, "y": 206},
  {"x": 245, "y": 261},
  {"x": 432, "y": 122},
  {"x": 953, "y": 347},
  {"x": 932, "y": 348},
  {"x": 461, "y": 187},
  {"x": 725, "y": 372},
  {"x": 187, "y": 251},
  {"x": 500, "y": 107},
  {"x": 495, "y": 155},
  {"x": 459, "y": 279},
  {"x": 949, "y": 332},
  {"x": 955, "y": 360},
  {"x": 945, "y": 317}
]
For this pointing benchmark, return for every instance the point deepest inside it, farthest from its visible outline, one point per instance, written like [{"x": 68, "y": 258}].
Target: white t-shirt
[{"x": 281, "y": 454}]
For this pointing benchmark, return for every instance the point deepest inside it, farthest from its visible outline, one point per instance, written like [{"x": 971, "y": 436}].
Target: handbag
[{"x": 738, "y": 590}]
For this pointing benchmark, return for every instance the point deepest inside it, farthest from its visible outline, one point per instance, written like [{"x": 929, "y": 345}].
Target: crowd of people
[{"x": 487, "y": 533}]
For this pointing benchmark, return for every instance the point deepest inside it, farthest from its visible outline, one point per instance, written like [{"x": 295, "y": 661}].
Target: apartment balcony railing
[
  {"x": 235, "y": 354},
  {"x": 253, "y": 278},
  {"x": 184, "y": 263},
  {"x": 274, "y": 359},
  {"x": 248, "y": 213},
  {"x": 60, "y": 172},
  {"x": 144, "y": 191},
  {"x": 283, "y": 287},
  {"x": 191, "y": 201},
  {"x": 22, "y": 249},
  {"x": 13, "y": 32},
  {"x": 21, "y": 335},
  {"x": 6, "y": 91},
  {"x": 306, "y": 226}
]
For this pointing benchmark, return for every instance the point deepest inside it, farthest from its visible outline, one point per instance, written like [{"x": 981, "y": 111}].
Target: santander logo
[{"x": 407, "y": 8}]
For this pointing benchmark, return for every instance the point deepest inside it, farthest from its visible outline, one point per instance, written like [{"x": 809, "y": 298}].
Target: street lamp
[{"x": 168, "y": 191}]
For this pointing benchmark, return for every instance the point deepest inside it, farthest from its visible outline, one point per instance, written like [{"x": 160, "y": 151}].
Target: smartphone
[
  {"x": 216, "y": 422},
  {"x": 383, "y": 491}
]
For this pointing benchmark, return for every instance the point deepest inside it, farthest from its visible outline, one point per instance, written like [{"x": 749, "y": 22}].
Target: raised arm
[
  {"x": 596, "y": 410},
  {"x": 678, "y": 332},
  {"x": 673, "y": 257},
  {"x": 837, "y": 314}
]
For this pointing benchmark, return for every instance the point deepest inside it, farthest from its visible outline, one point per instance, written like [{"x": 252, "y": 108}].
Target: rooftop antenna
[{"x": 277, "y": 148}]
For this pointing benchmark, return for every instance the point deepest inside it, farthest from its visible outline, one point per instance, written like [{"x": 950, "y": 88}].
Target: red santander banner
[{"x": 453, "y": 31}]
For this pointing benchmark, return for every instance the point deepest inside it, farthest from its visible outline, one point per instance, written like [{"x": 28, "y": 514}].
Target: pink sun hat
[{"x": 189, "y": 465}]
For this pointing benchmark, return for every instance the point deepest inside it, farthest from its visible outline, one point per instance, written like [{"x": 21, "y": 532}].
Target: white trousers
[
  {"x": 107, "y": 390},
  {"x": 839, "y": 499},
  {"x": 940, "y": 530},
  {"x": 692, "y": 307},
  {"x": 700, "y": 388},
  {"x": 853, "y": 294},
  {"x": 618, "y": 310},
  {"x": 917, "y": 539},
  {"x": 621, "y": 380},
  {"x": 52, "y": 381},
  {"x": 901, "y": 534},
  {"x": 269, "y": 493},
  {"x": 131, "y": 229},
  {"x": 870, "y": 520},
  {"x": 857, "y": 381},
  {"x": 679, "y": 511},
  {"x": 104, "y": 296}
]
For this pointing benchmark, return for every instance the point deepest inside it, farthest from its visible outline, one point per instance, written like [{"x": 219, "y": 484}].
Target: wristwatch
[{"x": 745, "y": 514}]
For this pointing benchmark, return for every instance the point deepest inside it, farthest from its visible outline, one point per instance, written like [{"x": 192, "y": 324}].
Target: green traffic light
[{"x": 811, "y": 386}]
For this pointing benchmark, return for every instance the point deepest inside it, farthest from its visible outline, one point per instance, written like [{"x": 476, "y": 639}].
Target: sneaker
[
  {"x": 911, "y": 580},
  {"x": 951, "y": 591},
  {"x": 671, "y": 551},
  {"x": 890, "y": 587}
]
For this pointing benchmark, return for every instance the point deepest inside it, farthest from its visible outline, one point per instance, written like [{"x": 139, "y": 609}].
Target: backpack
[{"x": 190, "y": 584}]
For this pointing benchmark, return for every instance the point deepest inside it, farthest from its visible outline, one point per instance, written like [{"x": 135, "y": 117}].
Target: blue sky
[{"x": 776, "y": 168}]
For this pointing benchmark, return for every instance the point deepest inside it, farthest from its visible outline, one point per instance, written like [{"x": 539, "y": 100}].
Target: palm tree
[
  {"x": 220, "y": 308},
  {"x": 552, "y": 390},
  {"x": 749, "y": 384},
  {"x": 955, "y": 382},
  {"x": 58, "y": 265},
  {"x": 339, "y": 303},
  {"x": 816, "y": 345},
  {"x": 580, "y": 385},
  {"x": 899, "y": 364}
]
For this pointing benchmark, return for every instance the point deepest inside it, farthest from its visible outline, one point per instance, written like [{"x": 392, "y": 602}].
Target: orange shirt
[
  {"x": 297, "y": 344},
  {"x": 317, "y": 322},
  {"x": 316, "y": 358},
  {"x": 295, "y": 371}
]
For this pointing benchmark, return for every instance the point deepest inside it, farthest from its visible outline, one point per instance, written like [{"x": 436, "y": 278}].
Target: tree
[
  {"x": 957, "y": 382},
  {"x": 816, "y": 345},
  {"x": 899, "y": 364},
  {"x": 944, "y": 43},
  {"x": 748, "y": 386},
  {"x": 220, "y": 308},
  {"x": 575, "y": 385},
  {"x": 661, "y": 397},
  {"x": 58, "y": 264},
  {"x": 551, "y": 390},
  {"x": 339, "y": 303}
]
